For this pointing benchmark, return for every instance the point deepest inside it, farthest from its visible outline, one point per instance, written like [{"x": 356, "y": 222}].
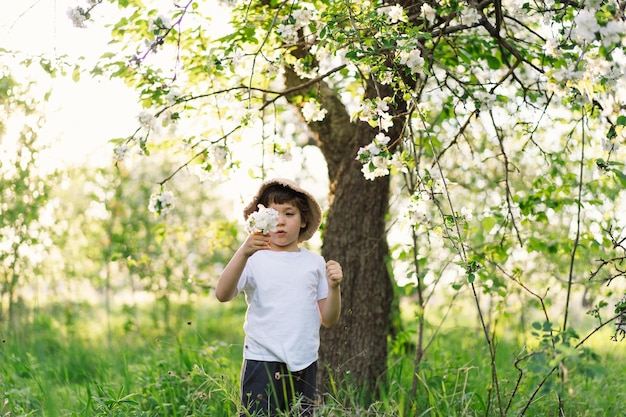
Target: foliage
[
  {"x": 501, "y": 125},
  {"x": 121, "y": 250},
  {"x": 25, "y": 212}
]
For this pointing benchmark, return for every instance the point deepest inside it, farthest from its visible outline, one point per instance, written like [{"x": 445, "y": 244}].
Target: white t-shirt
[{"x": 283, "y": 320}]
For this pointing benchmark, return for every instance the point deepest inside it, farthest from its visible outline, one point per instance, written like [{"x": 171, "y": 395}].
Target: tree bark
[{"x": 354, "y": 350}]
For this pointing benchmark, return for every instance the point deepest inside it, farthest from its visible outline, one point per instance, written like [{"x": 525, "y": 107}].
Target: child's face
[{"x": 285, "y": 238}]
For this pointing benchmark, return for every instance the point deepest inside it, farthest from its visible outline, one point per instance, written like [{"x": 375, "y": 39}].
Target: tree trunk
[{"x": 354, "y": 235}]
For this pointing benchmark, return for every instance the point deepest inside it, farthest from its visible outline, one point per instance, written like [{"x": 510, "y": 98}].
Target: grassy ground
[{"x": 71, "y": 361}]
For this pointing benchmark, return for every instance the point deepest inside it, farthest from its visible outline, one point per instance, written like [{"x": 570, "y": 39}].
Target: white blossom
[
  {"x": 395, "y": 13},
  {"x": 585, "y": 26},
  {"x": 412, "y": 59},
  {"x": 608, "y": 145},
  {"x": 551, "y": 47},
  {"x": 469, "y": 15},
  {"x": 429, "y": 13},
  {"x": 365, "y": 112},
  {"x": 288, "y": 33},
  {"x": 377, "y": 167},
  {"x": 382, "y": 106},
  {"x": 303, "y": 17},
  {"x": 161, "y": 203},
  {"x": 375, "y": 157},
  {"x": 237, "y": 57},
  {"x": 264, "y": 220},
  {"x": 302, "y": 71},
  {"x": 417, "y": 211},
  {"x": 382, "y": 139},
  {"x": 173, "y": 95},
  {"x": 385, "y": 121},
  {"x": 146, "y": 119},
  {"x": 120, "y": 152},
  {"x": 466, "y": 213},
  {"x": 312, "y": 112},
  {"x": 612, "y": 32},
  {"x": 385, "y": 77},
  {"x": 78, "y": 16}
]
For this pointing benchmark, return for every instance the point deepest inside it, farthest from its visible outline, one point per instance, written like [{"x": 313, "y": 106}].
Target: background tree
[
  {"x": 24, "y": 191},
  {"x": 501, "y": 124},
  {"x": 124, "y": 252}
]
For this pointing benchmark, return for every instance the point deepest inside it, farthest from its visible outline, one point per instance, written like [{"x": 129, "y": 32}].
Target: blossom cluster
[
  {"x": 299, "y": 19},
  {"x": 376, "y": 113},
  {"x": 120, "y": 152},
  {"x": 161, "y": 203},
  {"x": 312, "y": 112},
  {"x": 148, "y": 123},
  {"x": 588, "y": 29},
  {"x": 376, "y": 157},
  {"x": 264, "y": 220},
  {"x": 79, "y": 15},
  {"x": 394, "y": 13},
  {"x": 410, "y": 56}
]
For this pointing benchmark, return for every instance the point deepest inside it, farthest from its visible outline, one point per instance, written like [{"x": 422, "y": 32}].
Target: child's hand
[
  {"x": 255, "y": 242},
  {"x": 334, "y": 274}
]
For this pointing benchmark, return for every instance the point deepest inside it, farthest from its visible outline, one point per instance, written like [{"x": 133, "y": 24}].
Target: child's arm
[
  {"x": 226, "y": 288},
  {"x": 330, "y": 308}
]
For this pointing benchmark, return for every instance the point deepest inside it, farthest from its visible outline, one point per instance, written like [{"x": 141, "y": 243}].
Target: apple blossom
[
  {"x": 264, "y": 220},
  {"x": 161, "y": 203}
]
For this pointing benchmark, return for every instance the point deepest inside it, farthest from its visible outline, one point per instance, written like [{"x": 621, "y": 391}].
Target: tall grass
[{"x": 67, "y": 361}]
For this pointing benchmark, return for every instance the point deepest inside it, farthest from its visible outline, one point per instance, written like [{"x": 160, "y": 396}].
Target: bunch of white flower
[
  {"x": 78, "y": 16},
  {"x": 412, "y": 59},
  {"x": 375, "y": 157},
  {"x": 146, "y": 119},
  {"x": 174, "y": 95},
  {"x": 418, "y": 211},
  {"x": 395, "y": 13},
  {"x": 299, "y": 19},
  {"x": 312, "y": 112},
  {"x": 585, "y": 26},
  {"x": 264, "y": 220},
  {"x": 161, "y": 203},
  {"x": 120, "y": 152},
  {"x": 429, "y": 13},
  {"x": 376, "y": 113}
]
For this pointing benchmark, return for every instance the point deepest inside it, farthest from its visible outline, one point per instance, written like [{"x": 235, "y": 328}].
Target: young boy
[{"x": 290, "y": 291}]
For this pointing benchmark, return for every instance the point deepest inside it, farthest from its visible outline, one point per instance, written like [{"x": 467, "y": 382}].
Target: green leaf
[
  {"x": 488, "y": 223},
  {"x": 620, "y": 175},
  {"x": 493, "y": 62},
  {"x": 76, "y": 74}
]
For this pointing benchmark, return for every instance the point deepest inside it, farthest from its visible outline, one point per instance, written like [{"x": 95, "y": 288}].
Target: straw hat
[{"x": 315, "y": 211}]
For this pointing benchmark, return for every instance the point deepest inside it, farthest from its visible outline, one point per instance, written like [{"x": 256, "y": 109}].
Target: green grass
[
  {"x": 64, "y": 362},
  {"x": 48, "y": 368}
]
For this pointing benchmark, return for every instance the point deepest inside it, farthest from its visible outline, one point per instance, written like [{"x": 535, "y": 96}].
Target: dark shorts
[{"x": 268, "y": 388}]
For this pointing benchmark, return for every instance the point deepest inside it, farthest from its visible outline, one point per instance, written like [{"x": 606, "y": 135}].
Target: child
[{"x": 290, "y": 291}]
